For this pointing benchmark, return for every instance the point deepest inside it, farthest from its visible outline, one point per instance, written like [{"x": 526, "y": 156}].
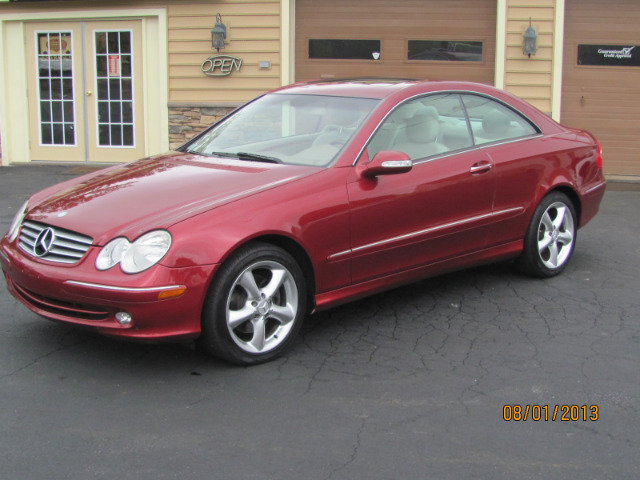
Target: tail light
[{"x": 599, "y": 155}]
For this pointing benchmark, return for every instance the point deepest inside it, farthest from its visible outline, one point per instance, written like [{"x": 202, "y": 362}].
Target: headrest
[
  {"x": 422, "y": 115},
  {"x": 495, "y": 122},
  {"x": 423, "y": 126}
]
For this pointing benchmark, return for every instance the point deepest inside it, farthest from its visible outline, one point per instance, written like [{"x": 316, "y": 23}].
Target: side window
[
  {"x": 424, "y": 127},
  {"x": 491, "y": 121}
]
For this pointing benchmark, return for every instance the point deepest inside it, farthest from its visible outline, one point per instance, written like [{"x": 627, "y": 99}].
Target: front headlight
[
  {"x": 135, "y": 257},
  {"x": 17, "y": 221},
  {"x": 112, "y": 253}
]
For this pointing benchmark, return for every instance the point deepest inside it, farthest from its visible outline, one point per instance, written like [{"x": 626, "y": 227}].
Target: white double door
[{"x": 85, "y": 91}]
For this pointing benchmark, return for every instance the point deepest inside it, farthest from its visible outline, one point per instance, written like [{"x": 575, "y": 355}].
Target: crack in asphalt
[
  {"x": 354, "y": 451},
  {"x": 47, "y": 354}
]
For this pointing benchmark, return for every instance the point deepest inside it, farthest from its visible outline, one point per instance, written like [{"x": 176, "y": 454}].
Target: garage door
[
  {"x": 434, "y": 39},
  {"x": 601, "y": 78}
]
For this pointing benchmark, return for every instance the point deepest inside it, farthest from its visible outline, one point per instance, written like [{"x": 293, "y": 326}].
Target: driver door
[{"x": 439, "y": 210}]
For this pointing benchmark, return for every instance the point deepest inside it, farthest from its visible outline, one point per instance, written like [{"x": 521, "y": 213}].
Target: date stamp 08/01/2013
[{"x": 546, "y": 413}]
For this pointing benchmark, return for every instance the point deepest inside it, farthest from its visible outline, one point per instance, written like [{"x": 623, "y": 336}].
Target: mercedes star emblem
[{"x": 43, "y": 243}]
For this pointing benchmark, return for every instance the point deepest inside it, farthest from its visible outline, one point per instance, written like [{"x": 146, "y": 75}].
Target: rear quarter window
[{"x": 492, "y": 121}]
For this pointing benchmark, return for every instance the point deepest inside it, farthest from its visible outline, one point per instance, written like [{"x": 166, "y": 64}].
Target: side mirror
[{"x": 387, "y": 162}]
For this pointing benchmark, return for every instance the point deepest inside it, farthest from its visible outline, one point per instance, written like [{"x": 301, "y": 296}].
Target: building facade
[{"x": 110, "y": 81}]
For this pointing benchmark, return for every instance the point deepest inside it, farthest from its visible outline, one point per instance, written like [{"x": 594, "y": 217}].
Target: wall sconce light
[
  {"x": 530, "y": 38},
  {"x": 218, "y": 33}
]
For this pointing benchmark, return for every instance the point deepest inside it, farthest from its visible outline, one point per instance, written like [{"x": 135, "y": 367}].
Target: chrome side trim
[
  {"x": 336, "y": 256},
  {"x": 122, "y": 289},
  {"x": 474, "y": 148}
]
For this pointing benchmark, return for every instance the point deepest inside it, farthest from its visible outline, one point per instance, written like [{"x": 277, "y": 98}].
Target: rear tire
[
  {"x": 550, "y": 238},
  {"x": 255, "y": 305}
]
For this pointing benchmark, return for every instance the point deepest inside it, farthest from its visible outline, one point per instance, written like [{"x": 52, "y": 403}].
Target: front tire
[
  {"x": 550, "y": 238},
  {"x": 255, "y": 306}
]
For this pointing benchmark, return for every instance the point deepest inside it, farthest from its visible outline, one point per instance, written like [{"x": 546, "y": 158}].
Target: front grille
[{"x": 52, "y": 243}]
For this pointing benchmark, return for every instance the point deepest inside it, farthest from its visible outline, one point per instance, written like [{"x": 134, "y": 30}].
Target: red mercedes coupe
[{"x": 304, "y": 198}]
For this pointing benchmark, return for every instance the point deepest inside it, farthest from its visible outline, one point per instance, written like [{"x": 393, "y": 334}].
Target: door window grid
[
  {"x": 55, "y": 89},
  {"x": 114, "y": 85}
]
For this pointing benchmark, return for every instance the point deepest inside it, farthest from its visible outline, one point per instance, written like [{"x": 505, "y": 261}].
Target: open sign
[{"x": 221, "y": 65}]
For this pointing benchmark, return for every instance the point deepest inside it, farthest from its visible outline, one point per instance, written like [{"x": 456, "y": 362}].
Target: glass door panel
[
  {"x": 116, "y": 110},
  {"x": 115, "y": 89},
  {"x": 55, "y": 92},
  {"x": 55, "y": 79}
]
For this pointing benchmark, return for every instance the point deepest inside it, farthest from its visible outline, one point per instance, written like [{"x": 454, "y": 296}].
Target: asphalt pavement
[{"x": 480, "y": 374}]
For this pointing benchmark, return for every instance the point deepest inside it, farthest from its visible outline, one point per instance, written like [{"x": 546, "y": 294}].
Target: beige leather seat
[{"x": 420, "y": 136}]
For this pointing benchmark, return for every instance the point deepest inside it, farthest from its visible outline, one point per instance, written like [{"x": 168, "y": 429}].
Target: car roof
[
  {"x": 380, "y": 88},
  {"x": 393, "y": 90},
  {"x": 351, "y": 87}
]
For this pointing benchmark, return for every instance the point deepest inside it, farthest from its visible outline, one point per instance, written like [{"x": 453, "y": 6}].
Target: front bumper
[{"x": 164, "y": 303}]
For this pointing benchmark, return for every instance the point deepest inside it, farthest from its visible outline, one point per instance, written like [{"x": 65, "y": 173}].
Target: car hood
[{"x": 157, "y": 192}]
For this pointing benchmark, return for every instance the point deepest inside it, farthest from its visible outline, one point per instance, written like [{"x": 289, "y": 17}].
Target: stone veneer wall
[{"x": 186, "y": 122}]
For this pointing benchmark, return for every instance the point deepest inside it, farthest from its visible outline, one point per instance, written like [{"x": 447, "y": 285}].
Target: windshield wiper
[
  {"x": 247, "y": 156},
  {"x": 223, "y": 154},
  {"x": 257, "y": 157}
]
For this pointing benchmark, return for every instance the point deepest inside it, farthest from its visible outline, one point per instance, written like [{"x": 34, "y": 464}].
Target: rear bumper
[{"x": 591, "y": 199}]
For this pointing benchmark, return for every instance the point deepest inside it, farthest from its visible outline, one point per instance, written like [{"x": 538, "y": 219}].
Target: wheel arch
[
  {"x": 293, "y": 248},
  {"x": 572, "y": 195},
  {"x": 221, "y": 339},
  {"x": 298, "y": 252}
]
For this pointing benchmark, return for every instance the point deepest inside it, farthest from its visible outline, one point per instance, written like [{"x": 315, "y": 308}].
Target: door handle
[
  {"x": 480, "y": 167},
  {"x": 89, "y": 93}
]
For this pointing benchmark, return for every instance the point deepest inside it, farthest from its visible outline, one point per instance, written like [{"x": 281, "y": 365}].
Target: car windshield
[{"x": 285, "y": 128}]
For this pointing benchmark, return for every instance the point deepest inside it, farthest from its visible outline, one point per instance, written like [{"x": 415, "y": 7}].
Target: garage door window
[
  {"x": 344, "y": 49},
  {"x": 445, "y": 50}
]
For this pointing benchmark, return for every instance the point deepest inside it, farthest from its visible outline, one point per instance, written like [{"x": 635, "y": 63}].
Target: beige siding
[
  {"x": 530, "y": 78},
  {"x": 253, "y": 34}
]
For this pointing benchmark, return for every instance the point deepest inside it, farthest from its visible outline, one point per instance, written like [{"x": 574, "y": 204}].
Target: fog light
[{"x": 123, "y": 318}]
